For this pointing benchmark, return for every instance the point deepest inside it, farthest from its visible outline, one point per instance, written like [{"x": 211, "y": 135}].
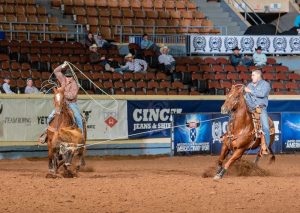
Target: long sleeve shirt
[
  {"x": 259, "y": 59},
  {"x": 165, "y": 59},
  {"x": 137, "y": 65},
  {"x": 235, "y": 59},
  {"x": 6, "y": 88},
  {"x": 258, "y": 95},
  {"x": 31, "y": 90},
  {"x": 71, "y": 89},
  {"x": 145, "y": 44}
]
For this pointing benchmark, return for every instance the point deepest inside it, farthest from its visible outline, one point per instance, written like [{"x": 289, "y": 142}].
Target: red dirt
[{"x": 162, "y": 184}]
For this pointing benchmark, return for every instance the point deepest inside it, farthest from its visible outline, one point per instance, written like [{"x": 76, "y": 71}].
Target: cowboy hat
[
  {"x": 258, "y": 48},
  {"x": 164, "y": 47},
  {"x": 129, "y": 55},
  {"x": 93, "y": 46},
  {"x": 236, "y": 48}
]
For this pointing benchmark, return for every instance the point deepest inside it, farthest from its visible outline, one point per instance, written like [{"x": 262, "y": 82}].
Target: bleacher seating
[
  {"x": 31, "y": 17},
  {"x": 199, "y": 75},
  {"x": 137, "y": 16}
]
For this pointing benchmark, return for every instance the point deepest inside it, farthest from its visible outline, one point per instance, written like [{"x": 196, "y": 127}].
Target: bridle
[{"x": 236, "y": 99}]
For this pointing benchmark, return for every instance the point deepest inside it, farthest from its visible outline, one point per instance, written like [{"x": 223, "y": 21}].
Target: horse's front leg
[
  {"x": 223, "y": 155},
  {"x": 236, "y": 155}
]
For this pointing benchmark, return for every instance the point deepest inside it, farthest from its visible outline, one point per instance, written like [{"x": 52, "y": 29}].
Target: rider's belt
[{"x": 262, "y": 106}]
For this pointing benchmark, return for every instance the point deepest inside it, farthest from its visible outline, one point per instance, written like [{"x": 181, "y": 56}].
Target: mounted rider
[
  {"x": 257, "y": 93},
  {"x": 70, "y": 93}
]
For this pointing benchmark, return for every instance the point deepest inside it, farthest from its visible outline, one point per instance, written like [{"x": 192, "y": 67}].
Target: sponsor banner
[
  {"x": 26, "y": 119},
  {"x": 190, "y": 133},
  {"x": 224, "y": 44},
  {"x": 291, "y": 131},
  {"x": 152, "y": 119},
  {"x": 219, "y": 127}
]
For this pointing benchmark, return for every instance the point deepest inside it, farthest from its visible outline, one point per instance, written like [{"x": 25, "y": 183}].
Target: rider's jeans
[
  {"x": 265, "y": 125},
  {"x": 74, "y": 107}
]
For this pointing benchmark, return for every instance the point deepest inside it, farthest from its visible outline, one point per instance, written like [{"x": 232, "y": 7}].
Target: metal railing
[
  {"x": 165, "y": 38},
  {"x": 249, "y": 12},
  {"x": 78, "y": 34}
]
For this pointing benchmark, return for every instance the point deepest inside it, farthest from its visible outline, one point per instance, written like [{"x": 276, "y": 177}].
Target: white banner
[
  {"x": 224, "y": 44},
  {"x": 26, "y": 119}
]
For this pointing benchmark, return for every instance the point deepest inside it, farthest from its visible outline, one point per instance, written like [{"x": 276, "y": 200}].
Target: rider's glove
[{"x": 65, "y": 64}]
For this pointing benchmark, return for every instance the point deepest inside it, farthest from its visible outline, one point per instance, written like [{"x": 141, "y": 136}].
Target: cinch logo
[
  {"x": 87, "y": 115},
  {"x": 154, "y": 114}
]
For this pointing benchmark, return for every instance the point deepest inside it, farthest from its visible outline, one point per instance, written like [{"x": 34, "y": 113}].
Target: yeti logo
[
  {"x": 199, "y": 43},
  {"x": 215, "y": 44},
  {"x": 279, "y": 44},
  {"x": 230, "y": 43},
  {"x": 216, "y": 131},
  {"x": 247, "y": 44},
  {"x": 295, "y": 44},
  {"x": 193, "y": 125},
  {"x": 264, "y": 42}
]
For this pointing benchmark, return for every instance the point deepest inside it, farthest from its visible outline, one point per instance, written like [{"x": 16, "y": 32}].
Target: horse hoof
[{"x": 217, "y": 177}]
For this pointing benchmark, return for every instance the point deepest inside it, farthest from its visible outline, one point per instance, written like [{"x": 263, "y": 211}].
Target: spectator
[
  {"x": 101, "y": 42},
  {"x": 89, "y": 41},
  {"x": 94, "y": 55},
  {"x": 30, "y": 89},
  {"x": 236, "y": 57},
  {"x": 259, "y": 58},
  {"x": 247, "y": 60},
  {"x": 110, "y": 65},
  {"x": 146, "y": 44},
  {"x": 167, "y": 61},
  {"x": 134, "y": 65},
  {"x": 6, "y": 86}
]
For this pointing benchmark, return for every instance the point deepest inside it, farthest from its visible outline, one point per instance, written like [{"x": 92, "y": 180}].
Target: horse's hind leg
[{"x": 272, "y": 159}]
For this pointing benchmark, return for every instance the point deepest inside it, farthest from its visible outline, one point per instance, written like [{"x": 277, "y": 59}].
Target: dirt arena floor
[{"x": 150, "y": 184}]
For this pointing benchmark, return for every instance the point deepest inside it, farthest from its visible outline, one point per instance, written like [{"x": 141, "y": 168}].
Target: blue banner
[
  {"x": 190, "y": 134},
  {"x": 219, "y": 127},
  {"x": 152, "y": 119},
  {"x": 291, "y": 132}
]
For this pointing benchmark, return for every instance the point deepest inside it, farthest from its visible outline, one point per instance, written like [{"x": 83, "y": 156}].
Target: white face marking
[
  {"x": 230, "y": 95},
  {"x": 58, "y": 97}
]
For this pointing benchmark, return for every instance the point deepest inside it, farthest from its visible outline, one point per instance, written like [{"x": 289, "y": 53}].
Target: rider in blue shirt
[{"x": 257, "y": 93}]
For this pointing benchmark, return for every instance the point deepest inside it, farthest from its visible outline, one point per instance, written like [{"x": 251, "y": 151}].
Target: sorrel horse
[
  {"x": 241, "y": 131},
  {"x": 64, "y": 138}
]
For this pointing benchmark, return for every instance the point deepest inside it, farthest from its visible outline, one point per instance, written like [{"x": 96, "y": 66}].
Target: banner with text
[
  {"x": 26, "y": 119},
  {"x": 221, "y": 44},
  {"x": 190, "y": 134},
  {"x": 291, "y": 131},
  {"x": 152, "y": 118}
]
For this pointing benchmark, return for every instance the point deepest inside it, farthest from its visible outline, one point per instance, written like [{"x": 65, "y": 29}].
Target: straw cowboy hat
[
  {"x": 93, "y": 46},
  {"x": 164, "y": 47},
  {"x": 129, "y": 55}
]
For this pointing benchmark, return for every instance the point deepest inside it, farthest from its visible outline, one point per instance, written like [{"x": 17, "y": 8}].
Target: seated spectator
[
  {"x": 146, "y": 44},
  {"x": 30, "y": 89},
  {"x": 167, "y": 61},
  {"x": 259, "y": 58},
  {"x": 235, "y": 58},
  {"x": 89, "y": 41},
  {"x": 101, "y": 42},
  {"x": 110, "y": 65},
  {"x": 247, "y": 60},
  {"x": 6, "y": 86},
  {"x": 94, "y": 55},
  {"x": 134, "y": 65}
]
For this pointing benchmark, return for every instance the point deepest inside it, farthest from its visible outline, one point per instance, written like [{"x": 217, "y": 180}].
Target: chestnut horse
[
  {"x": 241, "y": 131},
  {"x": 64, "y": 138}
]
